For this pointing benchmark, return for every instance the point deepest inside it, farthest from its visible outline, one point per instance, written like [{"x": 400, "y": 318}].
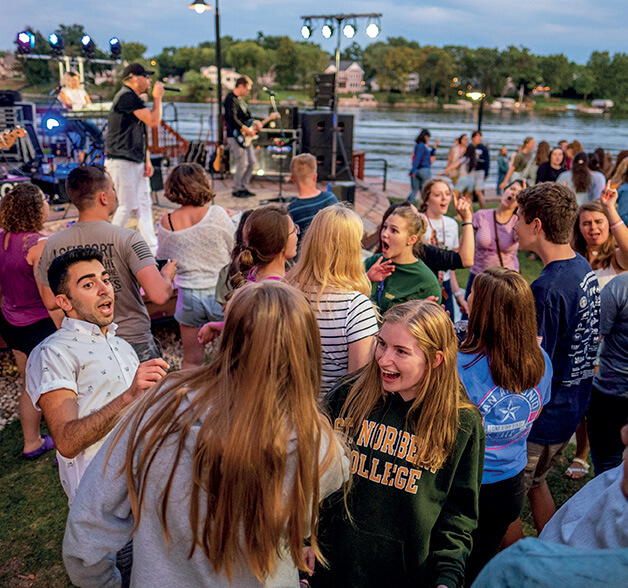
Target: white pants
[{"x": 133, "y": 191}]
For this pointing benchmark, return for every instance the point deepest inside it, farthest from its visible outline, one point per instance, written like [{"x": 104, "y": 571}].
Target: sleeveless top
[
  {"x": 76, "y": 96},
  {"x": 22, "y": 305},
  {"x": 605, "y": 275}
]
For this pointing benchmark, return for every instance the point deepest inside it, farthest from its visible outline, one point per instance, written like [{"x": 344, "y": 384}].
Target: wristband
[
  {"x": 470, "y": 223},
  {"x": 619, "y": 223},
  {"x": 460, "y": 292}
]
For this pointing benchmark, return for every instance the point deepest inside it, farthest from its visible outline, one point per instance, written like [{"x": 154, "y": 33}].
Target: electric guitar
[
  {"x": 7, "y": 138},
  {"x": 245, "y": 140}
]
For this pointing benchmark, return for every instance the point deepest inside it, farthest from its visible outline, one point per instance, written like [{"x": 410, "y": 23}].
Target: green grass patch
[{"x": 33, "y": 511}]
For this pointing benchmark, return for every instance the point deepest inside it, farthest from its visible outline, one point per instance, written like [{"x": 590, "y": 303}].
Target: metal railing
[{"x": 372, "y": 162}]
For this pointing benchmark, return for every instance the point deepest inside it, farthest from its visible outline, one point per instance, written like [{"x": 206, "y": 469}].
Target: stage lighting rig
[
  {"x": 306, "y": 29},
  {"x": 115, "y": 47},
  {"x": 56, "y": 44},
  {"x": 88, "y": 47},
  {"x": 25, "y": 42}
]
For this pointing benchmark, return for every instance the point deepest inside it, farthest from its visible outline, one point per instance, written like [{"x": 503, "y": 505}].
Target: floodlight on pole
[
  {"x": 349, "y": 30},
  {"x": 56, "y": 44},
  {"x": 478, "y": 97},
  {"x": 25, "y": 42},
  {"x": 115, "y": 47},
  {"x": 306, "y": 29}
]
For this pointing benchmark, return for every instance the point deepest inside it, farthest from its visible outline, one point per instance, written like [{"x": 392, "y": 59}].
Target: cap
[{"x": 136, "y": 69}]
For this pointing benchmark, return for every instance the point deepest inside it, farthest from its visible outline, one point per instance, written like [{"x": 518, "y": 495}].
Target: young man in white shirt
[{"x": 83, "y": 377}]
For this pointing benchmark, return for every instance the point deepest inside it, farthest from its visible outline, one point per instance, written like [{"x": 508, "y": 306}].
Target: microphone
[
  {"x": 54, "y": 90},
  {"x": 268, "y": 90},
  {"x": 171, "y": 89}
]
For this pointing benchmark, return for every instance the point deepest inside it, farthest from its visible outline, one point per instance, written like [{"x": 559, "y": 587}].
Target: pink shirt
[
  {"x": 485, "y": 245},
  {"x": 21, "y": 305}
]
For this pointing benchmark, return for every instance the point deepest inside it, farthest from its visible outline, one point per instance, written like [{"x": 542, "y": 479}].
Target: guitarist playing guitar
[{"x": 241, "y": 131}]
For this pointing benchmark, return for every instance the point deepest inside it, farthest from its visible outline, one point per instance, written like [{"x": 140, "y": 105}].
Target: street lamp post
[
  {"x": 200, "y": 7},
  {"x": 475, "y": 96}
]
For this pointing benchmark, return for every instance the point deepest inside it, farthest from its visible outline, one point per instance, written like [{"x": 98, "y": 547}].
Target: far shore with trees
[{"x": 290, "y": 66}]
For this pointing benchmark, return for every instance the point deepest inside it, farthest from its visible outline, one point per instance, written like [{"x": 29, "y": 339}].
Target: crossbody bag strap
[{"x": 499, "y": 251}]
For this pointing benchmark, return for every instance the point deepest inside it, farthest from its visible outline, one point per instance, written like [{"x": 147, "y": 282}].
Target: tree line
[{"x": 443, "y": 71}]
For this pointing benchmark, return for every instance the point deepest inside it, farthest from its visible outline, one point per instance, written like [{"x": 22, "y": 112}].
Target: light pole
[
  {"x": 372, "y": 30},
  {"x": 200, "y": 7},
  {"x": 475, "y": 96}
]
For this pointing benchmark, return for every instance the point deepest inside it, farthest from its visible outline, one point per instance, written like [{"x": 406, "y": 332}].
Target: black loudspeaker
[
  {"x": 9, "y": 97},
  {"x": 289, "y": 118},
  {"x": 344, "y": 191},
  {"x": 274, "y": 155},
  {"x": 157, "y": 179},
  {"x": 317, "y": 128},
  {"x": 324, "y": 96}
]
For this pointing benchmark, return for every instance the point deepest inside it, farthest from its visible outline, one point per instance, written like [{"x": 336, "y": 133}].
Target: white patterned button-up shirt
[{"x": 96, "y": 367}]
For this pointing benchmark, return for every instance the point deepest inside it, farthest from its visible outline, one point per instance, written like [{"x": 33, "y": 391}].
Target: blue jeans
[{"x": 417, "y": 180}]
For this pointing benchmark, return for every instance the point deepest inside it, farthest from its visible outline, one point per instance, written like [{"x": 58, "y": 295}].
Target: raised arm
[
  {"x": 466, "y": 247},
  {"x": 72, "y": 434},
  {"x": 618, "y": 228},
  {"x": 152, "y": 117}
]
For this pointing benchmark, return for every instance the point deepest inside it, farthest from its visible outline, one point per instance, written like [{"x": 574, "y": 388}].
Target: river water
[{"x": 389, "y": 133}]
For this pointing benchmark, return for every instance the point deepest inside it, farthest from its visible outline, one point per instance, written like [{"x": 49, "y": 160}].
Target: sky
[{"x": 574, "y": 28}]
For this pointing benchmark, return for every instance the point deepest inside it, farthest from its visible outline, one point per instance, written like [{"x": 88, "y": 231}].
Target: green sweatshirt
[
  {"x": 411, "y": 526},
  {"x": 409, "y": 281}
]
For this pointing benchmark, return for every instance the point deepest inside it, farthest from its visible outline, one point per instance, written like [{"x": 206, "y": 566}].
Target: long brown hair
[
  {"x": 580, "y": 172},
  {"x": 258, "y": 393},
  {"x": 606, "y": 252},
  {"x": 439, "y": 396},
  {"x": 502, "y": 327},
  {"x": 266, "y": 233},
  {"x": 542, "y": 153},
  {"x": 331, "y": 255}
]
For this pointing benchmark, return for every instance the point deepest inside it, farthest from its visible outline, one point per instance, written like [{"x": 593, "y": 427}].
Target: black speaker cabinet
[
  {"x": 275, "y": 154},
  {"x": 324, "y": 95},
  {"x": 344, "y": 191},
  {"x": 289, "y": 118},
  {"x": 317, "y": 128},
  {"x": 157, "y": 179}
]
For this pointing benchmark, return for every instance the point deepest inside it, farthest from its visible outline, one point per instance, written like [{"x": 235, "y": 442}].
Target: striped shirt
[
  {"x": 343, "y": 318},
  {"x": 303, "y": 210}
]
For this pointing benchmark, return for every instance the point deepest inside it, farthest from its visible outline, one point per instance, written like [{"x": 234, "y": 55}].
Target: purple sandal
[{"x": 47, "y": 445}]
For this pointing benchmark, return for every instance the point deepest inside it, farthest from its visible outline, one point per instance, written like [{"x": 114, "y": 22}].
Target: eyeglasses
[{"x": 296, "y": 230}]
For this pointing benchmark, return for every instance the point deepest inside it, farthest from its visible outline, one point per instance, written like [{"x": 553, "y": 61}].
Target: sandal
[
  {"x": 47, "y": 445},
  {"x": 576, "y": 472}
]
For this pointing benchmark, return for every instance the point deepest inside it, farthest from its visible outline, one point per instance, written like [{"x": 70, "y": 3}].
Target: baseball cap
[{"x": 136, "y": 69}]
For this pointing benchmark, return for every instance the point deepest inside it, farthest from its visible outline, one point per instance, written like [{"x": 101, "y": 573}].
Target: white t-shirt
[
  {"x": 442, "y": 233},
  {"x": 343, "y": 318},
  {"x": 97, "y": 368}
]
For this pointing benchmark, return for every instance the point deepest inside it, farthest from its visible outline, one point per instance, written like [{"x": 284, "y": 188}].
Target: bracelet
[
  {"x": 619, "y": 223},
  {"x": 470, "y": 223},
  {"x": 460, "y": 292}
]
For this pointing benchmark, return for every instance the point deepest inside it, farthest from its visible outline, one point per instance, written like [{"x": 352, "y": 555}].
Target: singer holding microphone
[{"x": 128, "y": 159}]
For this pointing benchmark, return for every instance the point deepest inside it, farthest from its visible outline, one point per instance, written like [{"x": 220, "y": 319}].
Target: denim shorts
[
  {"x": 196, "y": 307},
  {"x": 465, "y": 183}
]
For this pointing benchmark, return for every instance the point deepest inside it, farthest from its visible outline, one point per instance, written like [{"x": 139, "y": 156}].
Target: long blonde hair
[
  {"x": 259, "y": 392},
  {"x": 439, "y": 396},
  {"x": 331, "y": 255}
]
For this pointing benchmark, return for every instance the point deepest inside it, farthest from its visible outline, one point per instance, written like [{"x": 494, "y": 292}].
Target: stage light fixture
[
  {"x": 199, "y": 6},
  {"x": 327, "y": 30},
  {"x": 56, "y": 44},
  {"x": 306, "y": 29},
  {"x": 115, "y": 47},
  {"x": 25, "y": 42},
  {"x": 372, "y": 30},
  {"x": 349, "y": 30},
  {"x": 88, "y": 47},
  {"x": 53, "y": 123}
]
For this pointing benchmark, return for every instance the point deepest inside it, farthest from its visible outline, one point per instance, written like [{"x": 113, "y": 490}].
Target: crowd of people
[{"x": 345, "y": 431}]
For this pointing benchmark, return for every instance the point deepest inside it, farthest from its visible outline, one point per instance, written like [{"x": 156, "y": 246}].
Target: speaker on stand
[{"x": 318, "y": 128}]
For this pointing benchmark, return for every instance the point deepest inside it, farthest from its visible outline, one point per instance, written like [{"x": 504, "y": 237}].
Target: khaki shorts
[{"x": 541, "y": 459}]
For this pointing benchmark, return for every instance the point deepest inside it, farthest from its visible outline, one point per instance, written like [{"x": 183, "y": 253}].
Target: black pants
[
  {"x": 500, "y": 505},
  {"x": 606, "y": 416}
]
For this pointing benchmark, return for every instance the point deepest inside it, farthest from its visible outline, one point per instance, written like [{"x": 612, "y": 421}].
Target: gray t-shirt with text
[{"x": 125, "y": 253}]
